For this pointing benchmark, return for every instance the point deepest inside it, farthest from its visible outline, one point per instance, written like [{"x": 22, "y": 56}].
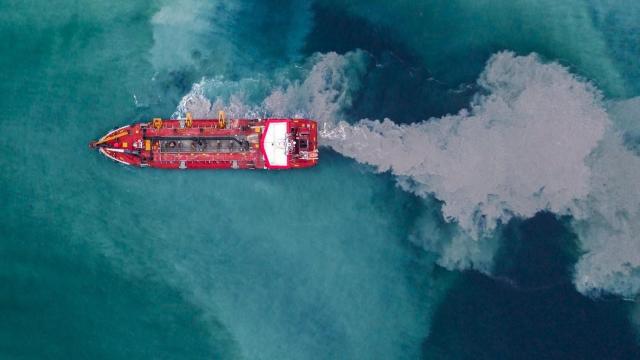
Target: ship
[{"x": 188, "y": 143}]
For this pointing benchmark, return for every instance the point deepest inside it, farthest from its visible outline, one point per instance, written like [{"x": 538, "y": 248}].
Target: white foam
[
  {"x": 327, "y": 89},
  {"x": 626, "y": 116},
  {"x": 609, "y": 232},
  {"x": 539, "y": 140},
  {"x": 519, "y": 150},
  {"x": 324, "y": 89},
  {"x": 202, "y": 107}
]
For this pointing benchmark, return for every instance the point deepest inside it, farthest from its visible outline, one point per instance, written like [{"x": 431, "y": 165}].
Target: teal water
[{"x": 102, "y": 261}]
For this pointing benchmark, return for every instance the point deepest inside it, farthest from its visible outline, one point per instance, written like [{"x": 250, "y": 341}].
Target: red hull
[{"x": 214, "y": 144}]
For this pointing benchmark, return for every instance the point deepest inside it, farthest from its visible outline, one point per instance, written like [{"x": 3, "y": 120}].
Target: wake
[{"x": 536, "y": 138}]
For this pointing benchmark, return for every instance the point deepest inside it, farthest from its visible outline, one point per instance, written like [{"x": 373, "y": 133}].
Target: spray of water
[{"x": 535, "y": 138}]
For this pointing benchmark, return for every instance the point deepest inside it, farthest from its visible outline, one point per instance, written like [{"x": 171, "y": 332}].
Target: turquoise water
[{"x": 102, "y": 261}]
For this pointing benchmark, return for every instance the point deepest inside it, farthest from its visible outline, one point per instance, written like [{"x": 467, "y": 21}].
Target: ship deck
[{"x": 238, "y": 144}]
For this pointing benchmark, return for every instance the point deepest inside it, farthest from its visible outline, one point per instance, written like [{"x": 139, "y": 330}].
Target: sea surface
[{"x": 494, "y": 214}]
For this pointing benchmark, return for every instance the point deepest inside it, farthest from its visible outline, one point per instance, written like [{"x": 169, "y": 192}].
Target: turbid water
[{"x": 457, "y": 250}]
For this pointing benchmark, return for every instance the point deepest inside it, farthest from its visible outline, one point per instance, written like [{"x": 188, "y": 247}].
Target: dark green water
[
  {"x": 101, "y": 261},
  {"x": 530, "y": 310}
]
